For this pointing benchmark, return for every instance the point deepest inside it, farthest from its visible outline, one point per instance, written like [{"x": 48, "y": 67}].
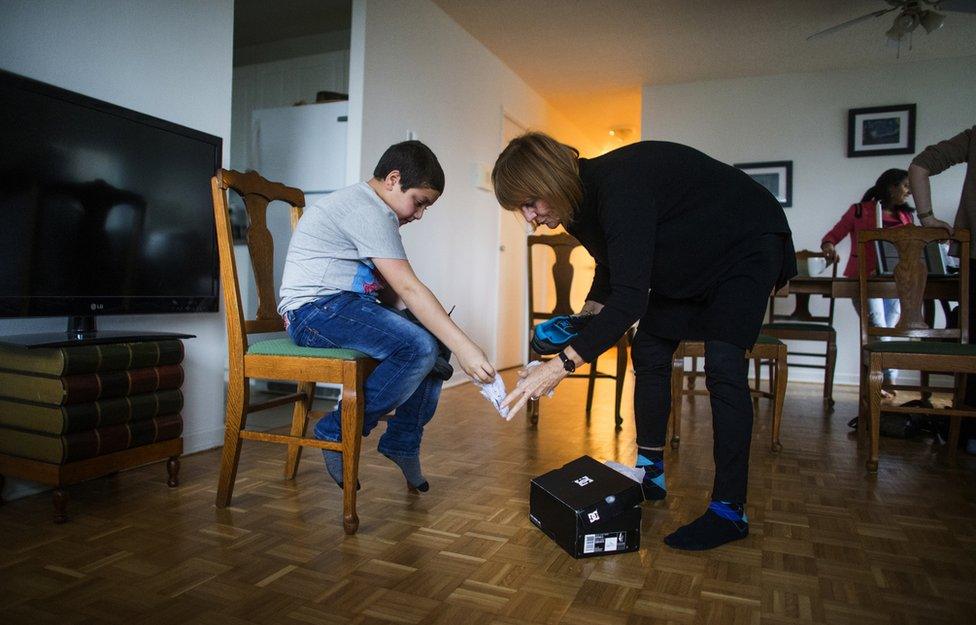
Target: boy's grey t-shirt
[{"x": 332, "y": 247}]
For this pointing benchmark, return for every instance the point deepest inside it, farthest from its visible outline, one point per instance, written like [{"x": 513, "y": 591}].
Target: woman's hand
[
  {"x": 475, "y": 364},
  {"x": 829, "y": 252},
  {"x": 534, "y": 383}
]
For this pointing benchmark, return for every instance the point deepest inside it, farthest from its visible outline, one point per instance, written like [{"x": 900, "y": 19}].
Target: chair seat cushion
[
  {"x": 803, "y": 326},
  {"x": 922, "y": 347},
  {"x": 287, "y": 347},
  {"x": 765, "y": 339}
]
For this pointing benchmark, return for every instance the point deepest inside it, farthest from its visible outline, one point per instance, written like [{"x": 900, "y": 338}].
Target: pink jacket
[{"x": 861, "y": 216}]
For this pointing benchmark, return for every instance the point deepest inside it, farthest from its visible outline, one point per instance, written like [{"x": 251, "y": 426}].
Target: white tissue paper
[
  {"x": 633, "y": 473},
  {"x": 495, "y": 391}
]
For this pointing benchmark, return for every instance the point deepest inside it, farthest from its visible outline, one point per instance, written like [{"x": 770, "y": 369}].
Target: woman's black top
[{"x": 666, "y": 219}]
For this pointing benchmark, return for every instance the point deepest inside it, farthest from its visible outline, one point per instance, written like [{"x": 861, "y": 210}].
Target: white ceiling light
[{"x": 932, "y": 20}]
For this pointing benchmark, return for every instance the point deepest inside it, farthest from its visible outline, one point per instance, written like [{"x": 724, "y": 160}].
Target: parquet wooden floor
[{"x": 828, "y": 542}]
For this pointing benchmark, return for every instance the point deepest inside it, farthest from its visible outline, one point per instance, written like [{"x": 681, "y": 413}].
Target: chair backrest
[
  {"x": 907, "y": 282},
  {"x": 801, "y": 311},
  {"x": 256, "y": 193},
  {"x": 562, "y": 274}
]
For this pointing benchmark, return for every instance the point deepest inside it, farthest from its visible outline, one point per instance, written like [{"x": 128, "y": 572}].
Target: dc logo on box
[
  {"x": 583, "y": 481},
  {"x": 594, "y": 516}
]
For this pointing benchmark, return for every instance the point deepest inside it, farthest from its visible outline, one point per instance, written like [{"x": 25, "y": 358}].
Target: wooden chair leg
[
  {"x": 351, "y": 415},
  {"x": 779, "y": 399},
  {"x": 758, "y": 391},
  {"x": 621, "y": 374},
  {"x": 875, "y": 380},
  {"x": 532, "y": 407},
  {"x": 238, "y": 395},
  {"x": 299, "y": 425},
  {"x": 757, "y": 370},
  {"x": 694, "y": 374},
  {"x": 677, "y": 389},
  {"x": 591, "y": 380},
  {"x": 862, "y": 403},
  {"x": 955, "y": 423},
  {"x": 924, "y": 378},
  {"x": 831, "y": 357}
]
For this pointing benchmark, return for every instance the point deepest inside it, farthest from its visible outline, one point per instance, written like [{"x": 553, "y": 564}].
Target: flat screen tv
[{"x": 103, "y": 210}]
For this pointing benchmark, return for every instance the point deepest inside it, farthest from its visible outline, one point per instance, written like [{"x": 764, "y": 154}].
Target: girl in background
[{"x": 884, "y": 205}]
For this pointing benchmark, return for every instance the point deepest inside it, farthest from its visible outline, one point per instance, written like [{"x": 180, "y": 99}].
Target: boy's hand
[{"x": 476, "y": 365}]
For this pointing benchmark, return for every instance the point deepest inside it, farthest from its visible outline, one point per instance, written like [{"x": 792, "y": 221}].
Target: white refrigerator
[{"x": 301, "y": 146}]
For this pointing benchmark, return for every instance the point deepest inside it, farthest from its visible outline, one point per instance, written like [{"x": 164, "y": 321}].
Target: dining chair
[
  {"x": 563, "y": 245},
  {"x": 913, "y": 344},
  {"x": 278, "y": 358}
]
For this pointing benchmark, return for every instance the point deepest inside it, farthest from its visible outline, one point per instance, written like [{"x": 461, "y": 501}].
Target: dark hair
[
  {"x": 416, "y": 163},
  {"x": 881, "y": 191}
]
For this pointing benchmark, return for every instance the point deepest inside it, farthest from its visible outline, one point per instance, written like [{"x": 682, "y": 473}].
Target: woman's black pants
[{"x": 726, "y": 378}]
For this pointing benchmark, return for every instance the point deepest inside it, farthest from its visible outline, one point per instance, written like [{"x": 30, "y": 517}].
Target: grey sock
[
  {"x": 333, "y": 464},
  {"x": 410, "y": 465}
]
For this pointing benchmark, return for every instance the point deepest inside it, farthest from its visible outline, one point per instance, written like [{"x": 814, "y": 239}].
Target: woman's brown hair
[{"x": 536, "y": 166}]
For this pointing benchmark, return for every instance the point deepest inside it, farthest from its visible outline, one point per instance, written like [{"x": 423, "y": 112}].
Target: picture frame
[
  {"x": 775, "y": 176},
  {"x": 881, "y": 130}
]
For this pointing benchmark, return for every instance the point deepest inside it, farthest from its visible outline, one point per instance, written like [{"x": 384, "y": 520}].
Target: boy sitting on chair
[{"x": 344, "y": 253}]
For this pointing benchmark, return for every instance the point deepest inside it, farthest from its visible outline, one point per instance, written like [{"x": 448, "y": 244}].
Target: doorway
[{"x": 512, "y": 336}]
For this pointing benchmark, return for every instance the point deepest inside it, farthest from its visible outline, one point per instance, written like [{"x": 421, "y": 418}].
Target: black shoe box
[{"x": 587, "y": 508}]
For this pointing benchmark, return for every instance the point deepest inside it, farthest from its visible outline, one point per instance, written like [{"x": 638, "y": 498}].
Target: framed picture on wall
[
  {"x": 881, "y": 131},
  {"x": 776, "y": 176}
]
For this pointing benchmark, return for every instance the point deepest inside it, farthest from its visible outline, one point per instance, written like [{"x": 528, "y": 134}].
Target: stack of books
[{"x": 62, "y": 405}]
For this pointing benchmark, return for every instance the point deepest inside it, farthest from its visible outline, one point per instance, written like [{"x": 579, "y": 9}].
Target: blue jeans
[
  {"x": 883, "y": 313},
  {"x": 402, "y": 380}
]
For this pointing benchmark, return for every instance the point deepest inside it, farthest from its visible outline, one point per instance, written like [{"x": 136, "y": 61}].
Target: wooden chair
[
  {"x": 947, "y": 351},
  {"x": 562, "y": 273},
  {"x": 802, "y": 325},
  {"x": 767, "y": 348},
  {"x": 278, "y": 358}
]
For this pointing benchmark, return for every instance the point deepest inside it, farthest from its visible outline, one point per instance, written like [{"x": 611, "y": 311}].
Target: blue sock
[
  {"x": 410, "y": 466},
  {"x": 652, "y": 461},
  {"x": 723, "y": 522}
]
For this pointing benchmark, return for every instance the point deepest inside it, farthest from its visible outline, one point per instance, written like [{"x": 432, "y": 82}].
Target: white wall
[
  {"x": 425, "y": 74},
  {"x": 166, "y": 59},
  {"x": 803, "y": 118}
]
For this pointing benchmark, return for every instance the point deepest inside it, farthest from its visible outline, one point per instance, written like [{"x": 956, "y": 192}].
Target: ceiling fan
[{"x": 911, "y": 15}]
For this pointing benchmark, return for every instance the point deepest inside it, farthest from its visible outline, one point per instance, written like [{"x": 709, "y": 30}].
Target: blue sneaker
[{"x": 552, "y": 335}]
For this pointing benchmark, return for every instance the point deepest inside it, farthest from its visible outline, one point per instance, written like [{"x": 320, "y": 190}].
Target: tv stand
[
  {"x": 82, "y": 331},
  {"x": 82, "y": 325}
]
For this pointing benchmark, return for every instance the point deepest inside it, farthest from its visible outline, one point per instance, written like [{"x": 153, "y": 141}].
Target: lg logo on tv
[{"x": 97, "y": 306}]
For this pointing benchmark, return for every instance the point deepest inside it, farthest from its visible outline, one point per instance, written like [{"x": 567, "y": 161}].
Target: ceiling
[
  {"x": 589, "y": 58},
  {"x": 261, "y": 21}
]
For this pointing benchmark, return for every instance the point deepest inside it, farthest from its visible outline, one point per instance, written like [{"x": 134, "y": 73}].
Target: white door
[{"x": 512, "y": 341}]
